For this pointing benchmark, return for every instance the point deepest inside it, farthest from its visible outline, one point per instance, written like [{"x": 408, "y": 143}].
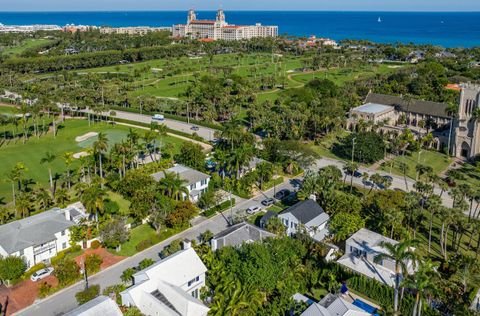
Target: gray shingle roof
[
  {"x": 190, "y": 175},
  {"x": 237, "y": 234},
  {"x": 415, "y": 106},
  {"x": 33, "y": 230},
  {"x": 308, "y": 212}
]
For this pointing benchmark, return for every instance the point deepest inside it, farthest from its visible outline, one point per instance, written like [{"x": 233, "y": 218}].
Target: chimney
[
  {"x": 312, "y": 197},
  {"x": 67, "y": 214},
  {"x": 187, "y": 244}
]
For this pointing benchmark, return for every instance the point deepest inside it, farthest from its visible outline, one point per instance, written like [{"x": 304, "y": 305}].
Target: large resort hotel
[{"x": 219, "y": 29}]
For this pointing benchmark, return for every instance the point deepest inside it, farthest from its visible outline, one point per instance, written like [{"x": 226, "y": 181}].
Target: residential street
[
  {"x": 64, "y": 300},
  {"x": 204, "y": 132}
]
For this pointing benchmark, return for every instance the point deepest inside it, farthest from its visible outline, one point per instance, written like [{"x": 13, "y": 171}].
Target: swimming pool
[{"x": 366, "y": 307}]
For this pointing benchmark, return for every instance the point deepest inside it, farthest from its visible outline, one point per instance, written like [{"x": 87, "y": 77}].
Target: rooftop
[
  {"x": 188, "y": 174},
  {"x": 370, "y": 240},
  {"x": 414, "y": 106},
  {"x": 240, "y": 233},
  {"x": 101, "y": 305},
  {"x": 37, "y": 229},
  {"x": 373, "y": 108},
  {"x": 308, "y": 212}
]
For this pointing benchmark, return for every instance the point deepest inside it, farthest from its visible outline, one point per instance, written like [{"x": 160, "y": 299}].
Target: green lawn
[
  {"x": 438, "y": 161},
  {"x": 121, "y": 201},
  {"x": 23, "y": 46},
  {"x": 34, "y": 149},
  {"x": 342, "y": 75},
  {"x": 137, "y": 234}
]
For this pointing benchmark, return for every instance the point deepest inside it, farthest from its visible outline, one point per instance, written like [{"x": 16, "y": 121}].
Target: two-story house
[
  {"x": 196, "y": 182},
  {"x": 308, "y": 214},
  {"x": 40, "y": 237},
  {"x": 360, "y": 252},
  {"x": 170, "y": 287}
]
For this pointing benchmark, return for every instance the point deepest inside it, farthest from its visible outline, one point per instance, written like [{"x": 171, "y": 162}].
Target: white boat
[{"x": 379, "y": 20}]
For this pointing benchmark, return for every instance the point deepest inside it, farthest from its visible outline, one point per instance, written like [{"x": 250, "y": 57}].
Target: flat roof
[{"x": 373, "y": 108}]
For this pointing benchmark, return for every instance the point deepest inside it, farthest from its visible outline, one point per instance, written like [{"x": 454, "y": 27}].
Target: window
[
  {"x": 193, "y": 280},
  {"x": 63, "y": 232},
  {"x": 64, "y": 245}
]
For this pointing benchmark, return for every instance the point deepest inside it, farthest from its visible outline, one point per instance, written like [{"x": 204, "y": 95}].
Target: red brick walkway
[{"x": 25, "y": 293}]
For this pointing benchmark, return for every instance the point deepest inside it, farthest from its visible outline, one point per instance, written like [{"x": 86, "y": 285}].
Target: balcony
[{"x": 44, "y": 247}]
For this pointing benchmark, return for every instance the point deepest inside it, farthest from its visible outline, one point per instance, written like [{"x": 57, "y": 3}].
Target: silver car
[
  {"x": 40, "y": 274},
  {"x": 253, "y": 209}
]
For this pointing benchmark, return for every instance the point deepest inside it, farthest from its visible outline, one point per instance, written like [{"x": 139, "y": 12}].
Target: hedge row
[{"x": 219, "y": 208}]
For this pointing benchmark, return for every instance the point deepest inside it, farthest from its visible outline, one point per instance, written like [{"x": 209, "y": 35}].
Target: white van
[{"x": 158, "y": 117}]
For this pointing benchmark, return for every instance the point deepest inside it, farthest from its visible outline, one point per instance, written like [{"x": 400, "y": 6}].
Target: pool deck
[{"x": 351, "y": 297}]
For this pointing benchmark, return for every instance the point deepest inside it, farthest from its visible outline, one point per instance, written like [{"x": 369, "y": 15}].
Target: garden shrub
[
  {"x": 93, "y": 263},
  {"x": 95, "y": 244},
  {"x": 45, "y": 290},
  {"x": 87, "y": 294}
]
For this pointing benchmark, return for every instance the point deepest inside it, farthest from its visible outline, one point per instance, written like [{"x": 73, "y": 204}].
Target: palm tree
[
  {"x": 173, "y": 185},
  {"x": 433, "y": 206},
  {"x": 351, "y": 168},
  {"x": 402, "y": 254},
  {"x": 48, "y": 159},
  {"x": 424, "y": 284},
  {"x": 5, "y": 215},
  {"x": 404, "y": 169},
  {"x": 15, "y": 176},
  {"x": 94, "y": 200},
  {"x": 24, "y": 204},
  {"x": 68, "y": 159},
  {"x": 100, "y": 146},
  {"x": 43, "y": 198},
  {"x": 62, "y": 197}
]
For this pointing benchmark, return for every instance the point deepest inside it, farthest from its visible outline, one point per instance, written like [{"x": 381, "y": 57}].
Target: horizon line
[{"x": 242, "y": 10}]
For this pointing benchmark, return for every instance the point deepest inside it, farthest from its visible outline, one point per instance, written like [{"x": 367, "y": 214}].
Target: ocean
[{"x": 448, "y": 29}]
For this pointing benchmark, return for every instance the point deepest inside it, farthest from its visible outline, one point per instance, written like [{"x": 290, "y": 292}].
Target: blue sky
[{"x": 341, "y": 5}]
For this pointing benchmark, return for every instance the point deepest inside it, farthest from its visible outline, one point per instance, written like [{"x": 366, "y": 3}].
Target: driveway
[{"x": 64, "y": 301}]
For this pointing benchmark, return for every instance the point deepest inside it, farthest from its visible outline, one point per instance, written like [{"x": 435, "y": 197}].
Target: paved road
[
  {"x": 397, "y": 183},
  {"x": 204, "y": 132},
  {"x": 64, "y": 301}
]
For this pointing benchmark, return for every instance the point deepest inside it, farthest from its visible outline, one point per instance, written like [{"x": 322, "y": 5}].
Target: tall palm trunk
[
  {"x": 51, "y": 178},
  {"x": 397, "y": 284},
  {"x": 101, "y": 169},
  {"x": 430, "y": 232}
]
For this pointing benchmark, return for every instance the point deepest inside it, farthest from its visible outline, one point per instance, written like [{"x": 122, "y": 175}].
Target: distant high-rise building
[{"x": 219, "y": 29}]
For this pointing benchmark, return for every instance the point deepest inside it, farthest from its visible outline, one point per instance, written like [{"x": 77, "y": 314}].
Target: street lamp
[
  {"x": 353, "y": 147},
  {"x": 85, "y": 274}
]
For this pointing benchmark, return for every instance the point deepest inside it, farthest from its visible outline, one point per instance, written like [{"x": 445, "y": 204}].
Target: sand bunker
[
  {"x": 85, "y": 136},
  {"x": 80, "y": 154}
]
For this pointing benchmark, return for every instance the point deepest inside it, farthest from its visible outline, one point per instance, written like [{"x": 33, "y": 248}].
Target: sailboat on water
[{"x": 379, "y": 20}]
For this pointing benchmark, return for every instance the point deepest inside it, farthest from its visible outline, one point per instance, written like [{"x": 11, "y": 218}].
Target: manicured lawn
[
  {"x": 438, "y": 161},
  {"x": 34, "y": 149},
  {"x": 27, "y": 44},
  {"x": 121, "y": 201},
  {"x": 342, "y": 75},
  {"x": 137, "y": 234}
]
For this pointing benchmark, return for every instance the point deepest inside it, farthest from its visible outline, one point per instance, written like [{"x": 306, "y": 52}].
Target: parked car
[
  {"x": 253, "y": 209},
  {"x": 388, "y": 178},
  {"x": 40, "y": 274},
  {"x": 368, "y": 183},
  {"x": 268, "y": 202},
  {"x": 356, "y": 173},
  {"x": 158, "y": 117},
  {"x": 194, "y": 128},
  {"x": 282, "y": 194}
]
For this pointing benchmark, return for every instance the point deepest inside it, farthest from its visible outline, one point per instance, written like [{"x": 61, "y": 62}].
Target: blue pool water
[
  {"x": 449, "y": 29},
  {"x": 366, "y": 307}
]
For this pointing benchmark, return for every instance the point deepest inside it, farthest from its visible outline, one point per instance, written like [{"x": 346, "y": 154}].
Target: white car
[
  {"x": 40, "y": 274},
  {"x": 253, "y": 209},
  {"x": 158, "y": 117}
]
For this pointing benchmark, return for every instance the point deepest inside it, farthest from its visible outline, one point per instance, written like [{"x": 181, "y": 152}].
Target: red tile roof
[
  {"x": 206, "y": 40},
  {"x": 233, "y": 27}
]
